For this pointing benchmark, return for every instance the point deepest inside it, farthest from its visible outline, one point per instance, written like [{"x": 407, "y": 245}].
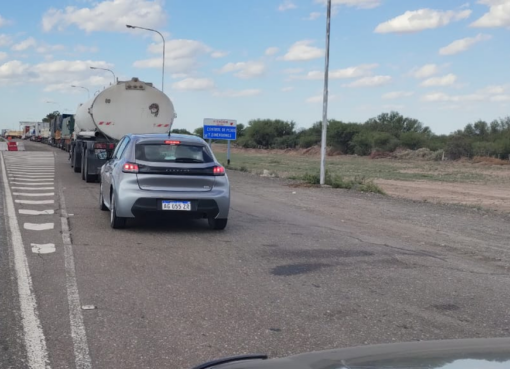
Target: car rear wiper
[{"x": 188, "y": 160}]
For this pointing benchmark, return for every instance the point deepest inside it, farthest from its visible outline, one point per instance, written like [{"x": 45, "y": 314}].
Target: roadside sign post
[{"x": 221, "y": 129}]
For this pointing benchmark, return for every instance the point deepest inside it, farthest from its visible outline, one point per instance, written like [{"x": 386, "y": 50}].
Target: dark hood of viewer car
[{"x": 493, "y": 353}]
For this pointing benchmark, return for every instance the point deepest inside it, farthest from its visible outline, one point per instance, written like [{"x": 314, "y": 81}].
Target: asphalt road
[{"x": 297, "y": 269}]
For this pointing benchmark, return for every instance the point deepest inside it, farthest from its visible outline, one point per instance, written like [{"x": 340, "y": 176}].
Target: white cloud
[
  {"x": 54, "y": 75},
  {"x": 194, "y": 84},
  {"x": 272, "y": 50},
  {"x": 363, "y": 4},
  {"x": 180, "y": 48},
  {"x": 498, "y": 15},
  {"x": 428, "y": 70},
  {"x": 351, "y": 72},
  {"x": 287, "y": 5},
  {"x": 237, "y": 93},
  {"x": 12, "y": 71},
  {"x": 302, "y": 50},
  {"x": 374, "y": 81},
  {"x": 5, "y": 40},
  {"x": 287, "y": 89},
  {"x": 500, "y": 98},
  {"x": 3, "y": 55},
  {"x": 493, "y": 90},
  {"x": 393, "y": 107},
  {"x": 109, "y": 16},
  {"x": 218, "y": 54},
  {"x": 397, "y": 95},
  {"x": 442, "y": 97},
  {"x": 320, "y": 98},
  {"x": 180, "y": 55},
  {"x": 446, "y": 80},
  {"x": 245, "y": 70},
  {"x": 4, "y": 22},
  {"x": 422, "y": 19},
  {"x": 464, "y": 44},
  {"x": 25, "y": 44},
  {"x": 86, "y": 49},
  {"x": 45, "y": 48},
  {"x": 293, "y": 70},
  {"x": 314, "y": 16}
]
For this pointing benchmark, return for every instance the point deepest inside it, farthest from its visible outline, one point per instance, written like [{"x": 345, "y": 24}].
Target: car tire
[
  {"x": 102, "y": 206},
  {"x": 217, "y": 224},
  {"x": 115, "y": 221}
]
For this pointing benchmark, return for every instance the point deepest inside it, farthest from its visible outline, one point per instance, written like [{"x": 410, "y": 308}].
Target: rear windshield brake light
[{"x": 172, "y": 142}]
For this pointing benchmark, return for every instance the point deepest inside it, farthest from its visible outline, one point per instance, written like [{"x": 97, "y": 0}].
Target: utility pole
[{"x": 325, "y": 101}]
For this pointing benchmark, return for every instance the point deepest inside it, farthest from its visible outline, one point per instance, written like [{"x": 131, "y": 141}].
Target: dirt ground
[
  {"x": 495, "y": 197},
  {"x": 480, "y": 185}
]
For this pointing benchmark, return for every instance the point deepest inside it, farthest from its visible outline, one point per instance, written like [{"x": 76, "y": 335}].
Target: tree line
[{"x": 385, "y": 133}]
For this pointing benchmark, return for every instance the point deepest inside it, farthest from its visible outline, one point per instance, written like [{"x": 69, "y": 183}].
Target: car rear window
[{"x": 164, "y": 153}]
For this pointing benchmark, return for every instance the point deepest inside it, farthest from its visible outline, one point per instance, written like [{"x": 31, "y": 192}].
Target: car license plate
[{"x": 177, "y": 205}]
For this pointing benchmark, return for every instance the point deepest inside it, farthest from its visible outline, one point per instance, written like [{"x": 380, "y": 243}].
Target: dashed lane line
[
  {"x": 35, "y": 202},
  {"x": 39, "y": 226},
  {"x": 47, "y": 248},
  {"x": 36, "y": 212},
  {"x": 44, "y": 194},
  {"x": 33, "y": 335},
  {"x": 32, "y": 188}
]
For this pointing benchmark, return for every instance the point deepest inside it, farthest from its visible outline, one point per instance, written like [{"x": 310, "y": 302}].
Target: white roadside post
[{"x": 325, "y": 101}]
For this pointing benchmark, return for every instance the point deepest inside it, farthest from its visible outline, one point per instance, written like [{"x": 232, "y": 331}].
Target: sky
[{"x": 446, "y": 63}]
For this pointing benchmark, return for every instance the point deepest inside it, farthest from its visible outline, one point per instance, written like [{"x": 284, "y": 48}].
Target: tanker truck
[{"x": 126, "y": 107}]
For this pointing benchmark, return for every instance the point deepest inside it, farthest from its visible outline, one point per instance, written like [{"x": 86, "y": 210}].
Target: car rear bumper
[
  {"x": 199, "y": 208},
  {"x": 134, "y": 202}
]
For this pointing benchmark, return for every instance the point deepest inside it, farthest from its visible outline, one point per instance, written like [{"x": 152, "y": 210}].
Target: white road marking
[
  {"x": 39, "y": 226},
  {"x": 33, "y": 336},
  {"x": 81, "y": 347},
  {"x": 30, "y": 171},
  {"x": 33, "y": 178},
  {"x": 34, "y": 202},
  {"x": 33, "y": 188},
  {"x": 47, "y": 248},
  {"x": 27, "y": 181},
  {"x": 36, "y": 212},
  {"x": 44, "y": 194}
]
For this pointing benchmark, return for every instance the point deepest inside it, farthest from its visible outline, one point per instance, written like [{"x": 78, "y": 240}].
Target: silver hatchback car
[{"x": 162, "y": 174}]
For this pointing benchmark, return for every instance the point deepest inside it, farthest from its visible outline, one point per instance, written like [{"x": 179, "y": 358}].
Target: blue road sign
[{"x": 220, "y": 130}]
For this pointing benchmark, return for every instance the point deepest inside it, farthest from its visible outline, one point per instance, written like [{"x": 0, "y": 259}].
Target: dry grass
[{"x": 489, "y": 161}]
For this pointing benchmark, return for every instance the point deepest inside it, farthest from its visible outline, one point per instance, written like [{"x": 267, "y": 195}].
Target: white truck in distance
[{"x": 126, "y": 107}]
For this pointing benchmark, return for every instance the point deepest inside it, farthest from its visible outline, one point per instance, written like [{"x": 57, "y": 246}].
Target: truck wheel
[
  {"x": 102, "y": 206},
  {"x": 115, "y": 221},
  {"x": 89, "y": 178},
  {"x": 83, "y": 158},
  {"x": 75, "y": 167},
  {"x": 217, "y": 224}
]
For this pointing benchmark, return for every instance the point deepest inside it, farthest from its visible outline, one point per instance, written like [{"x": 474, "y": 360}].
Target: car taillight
[
  {"x": 130, "y": 168},
  {"x": 111, "y": 146},
  {"x": 99, "y": 146},
  {"x": 219, "y": 171},
  {"x": 172, "y": 142}
]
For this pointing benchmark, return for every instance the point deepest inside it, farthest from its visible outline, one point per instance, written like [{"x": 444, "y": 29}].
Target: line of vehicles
[{"x": 121, "y": 138}]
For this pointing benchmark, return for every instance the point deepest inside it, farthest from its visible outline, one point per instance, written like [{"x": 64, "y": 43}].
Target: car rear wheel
[
  {"x": 102, "y": 206},
  {"x": 217, "y": 224},
  {"x": 115, "y": 221}
]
